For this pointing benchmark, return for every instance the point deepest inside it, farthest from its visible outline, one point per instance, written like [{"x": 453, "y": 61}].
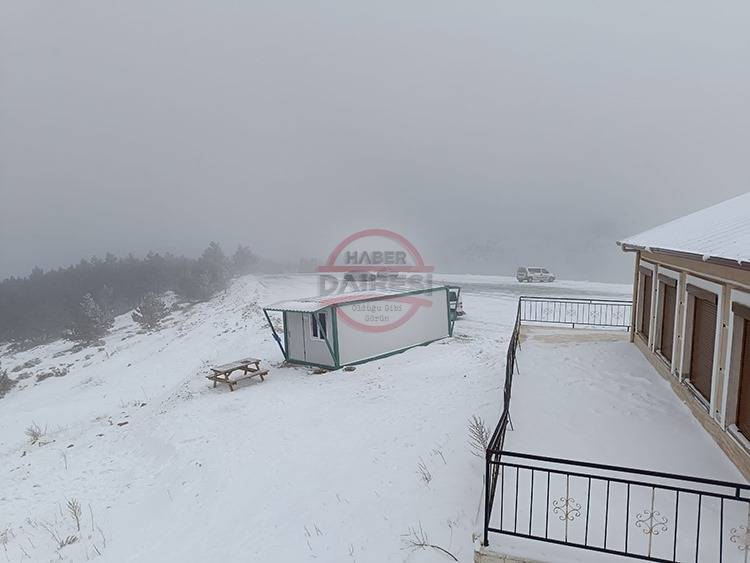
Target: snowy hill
[{"x": 333, "y": 467}]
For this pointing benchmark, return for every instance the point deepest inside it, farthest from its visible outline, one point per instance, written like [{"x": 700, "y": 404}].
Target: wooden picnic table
[{"x": 250, "y": 367}]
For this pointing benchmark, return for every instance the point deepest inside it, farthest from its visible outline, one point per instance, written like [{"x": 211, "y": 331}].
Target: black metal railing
[
  {"x": 497, "y": 440},
  {"x": 625, "y": 511},
  {"x": 622, "y": 511},
  {"x": 608, "y": 313}
]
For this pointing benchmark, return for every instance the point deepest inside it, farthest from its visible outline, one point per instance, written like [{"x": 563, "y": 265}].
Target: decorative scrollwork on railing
[
  {"x": 740, "y": 536},
  {"x": 651, "y": 522},
  {"x": 566, "y": 508},
  {"x": 555, "y": 311}
]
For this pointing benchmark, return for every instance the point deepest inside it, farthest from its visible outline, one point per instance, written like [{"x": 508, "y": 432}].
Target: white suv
[{"x": 527, "y": 274}]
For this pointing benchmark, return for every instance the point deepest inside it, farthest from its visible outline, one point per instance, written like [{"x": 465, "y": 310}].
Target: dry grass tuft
[
  {"x": 424, "y": 472},
  {"x": 417, "y": 538},
  {"x": 479, "y": 436},
  {"x": 35, "y": 433},
  {"x": 74, "y": 509}
]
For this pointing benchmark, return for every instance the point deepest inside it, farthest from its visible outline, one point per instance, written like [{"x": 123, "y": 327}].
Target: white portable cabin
[{"x": 352, "y": 328}]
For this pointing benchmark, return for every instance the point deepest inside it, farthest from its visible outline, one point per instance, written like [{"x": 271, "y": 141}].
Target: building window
[
  {"x": 738, "y": 408},
  {"x": 703, "y": 316},
  {"x": 667, "y": 316},
  {"x": 743, "y": 406},
  {"x": 320, "y": 328}
]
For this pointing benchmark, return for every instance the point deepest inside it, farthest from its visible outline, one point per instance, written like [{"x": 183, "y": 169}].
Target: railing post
[{"x": 487, "y": 500}]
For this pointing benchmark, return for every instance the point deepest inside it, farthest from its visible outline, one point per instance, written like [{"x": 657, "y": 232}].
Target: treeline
[{"x": 49, "y": 305}]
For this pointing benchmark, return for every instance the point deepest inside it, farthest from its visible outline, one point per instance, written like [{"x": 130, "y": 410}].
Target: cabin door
[{"x": 296, "y": 336}]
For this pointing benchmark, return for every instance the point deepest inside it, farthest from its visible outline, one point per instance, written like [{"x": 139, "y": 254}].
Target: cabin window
[{"x": 320, "y": 328}]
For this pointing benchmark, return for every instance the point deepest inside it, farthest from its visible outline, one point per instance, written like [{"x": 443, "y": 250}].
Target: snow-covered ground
[
  {"x": 591, "y": 395},
  {"x": 332, "y": 467},
  {"x": 630, "y": 412}
]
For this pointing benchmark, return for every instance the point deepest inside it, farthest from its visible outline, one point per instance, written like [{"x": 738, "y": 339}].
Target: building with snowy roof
[
  {"x": 331, "y": 331},
  {"x": 691, "y": 314}
]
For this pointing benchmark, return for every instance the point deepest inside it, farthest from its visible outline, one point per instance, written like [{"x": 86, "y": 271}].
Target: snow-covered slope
[
  {"x": 297, "y": 467},
  {"x": 333, "y": 467}
]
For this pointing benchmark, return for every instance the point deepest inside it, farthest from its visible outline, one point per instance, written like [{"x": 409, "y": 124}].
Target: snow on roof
[
  {"x": 319, "y": 302},
  {"x": 721, "y": 231}
]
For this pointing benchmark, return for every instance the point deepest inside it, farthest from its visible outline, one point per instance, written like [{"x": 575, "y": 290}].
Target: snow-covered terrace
[{"x": 591, "y": 396}]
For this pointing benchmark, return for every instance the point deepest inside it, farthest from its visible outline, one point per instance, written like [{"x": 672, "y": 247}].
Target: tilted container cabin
[{"x": 351, "y": 328}]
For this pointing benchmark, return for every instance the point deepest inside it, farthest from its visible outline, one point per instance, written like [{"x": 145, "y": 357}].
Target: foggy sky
[{"x": 489, "y": 133}]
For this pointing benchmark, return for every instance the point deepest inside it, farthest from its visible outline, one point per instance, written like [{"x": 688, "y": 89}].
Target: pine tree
[
  {"x": 196, "y": 286},
  {"x": 92, "y": 321},
  {"x": 211, "y": 273},
  {"x": 150, "y": 312},
  {"x": 243, "y": 260}
]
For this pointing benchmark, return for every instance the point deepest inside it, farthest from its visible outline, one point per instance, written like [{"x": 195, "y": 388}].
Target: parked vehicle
[
  {"x": 534, "y": 274},
  {"x": 457, "y": 305}
]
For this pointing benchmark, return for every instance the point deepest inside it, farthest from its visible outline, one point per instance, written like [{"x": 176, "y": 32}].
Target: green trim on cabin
[
  {"x": 364, "y": 300},
  {"x": 393, "y": 353},
  {"x": 312, "y": 364},
  {"x": 335, "y": 326},
  {"x": 453, "y": 315},
  {"x": 325, "y": 332},
  {"x": 394, "y": 296},
  {"x": 286, "y": 338},
  {"x": 448, "y": 305},
  {"x": 335, "y": 353}
]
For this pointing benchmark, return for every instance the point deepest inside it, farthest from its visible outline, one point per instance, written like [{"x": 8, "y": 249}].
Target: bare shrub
[
  {"x": 60, "y": 540},
  {"x": 417, "y": 538},
  {"x": 479, "y": 436},
  {"x": 6, "y": 535},
  {"x": 35, "y": 433}
]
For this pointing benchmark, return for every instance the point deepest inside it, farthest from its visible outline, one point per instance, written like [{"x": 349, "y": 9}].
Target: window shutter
[
  {"x": 703, "y": 294},
  {"x": 743, "y": 401},
  {"x": 702, "y": 354},
  {"x": 741, "y": 310},
  {"x": 646, "y": 306},
  {"x": 667, "y": 321}
]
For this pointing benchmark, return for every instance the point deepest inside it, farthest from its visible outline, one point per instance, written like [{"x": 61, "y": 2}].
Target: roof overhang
[
  {"x": 727, "y": 262},
  {"x": 312, "y": 305}
]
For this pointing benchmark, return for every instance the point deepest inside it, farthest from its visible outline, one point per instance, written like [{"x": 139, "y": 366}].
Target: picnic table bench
[{"x": 250, "y": 367}]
